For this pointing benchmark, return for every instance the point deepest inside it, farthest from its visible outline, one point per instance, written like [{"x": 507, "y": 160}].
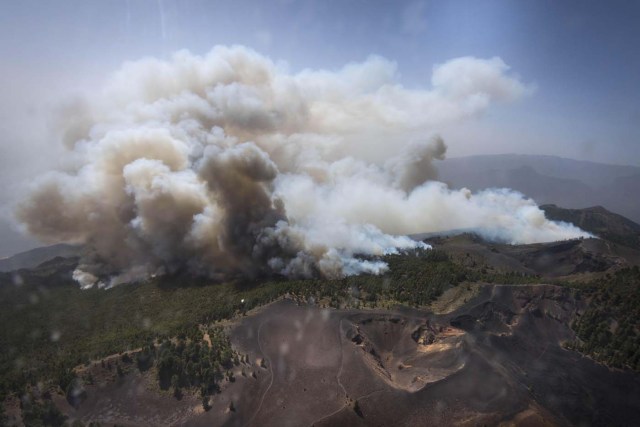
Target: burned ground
[{"x": 497, "y": 359}]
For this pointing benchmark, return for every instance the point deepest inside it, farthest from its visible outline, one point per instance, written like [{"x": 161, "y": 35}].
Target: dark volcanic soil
[{"x": 498, "y": 359}]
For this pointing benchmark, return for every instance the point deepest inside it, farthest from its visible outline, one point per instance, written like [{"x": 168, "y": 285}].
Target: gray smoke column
[{"x": 227, "y": 164}]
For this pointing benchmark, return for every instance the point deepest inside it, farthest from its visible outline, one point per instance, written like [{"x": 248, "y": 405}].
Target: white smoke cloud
[{"x": 228, "y": 164}]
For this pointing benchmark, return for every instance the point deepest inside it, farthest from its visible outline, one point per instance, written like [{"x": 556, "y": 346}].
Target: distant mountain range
[
  {"x": 37, "y": 256},
  {"x": 550, "y": 180}
]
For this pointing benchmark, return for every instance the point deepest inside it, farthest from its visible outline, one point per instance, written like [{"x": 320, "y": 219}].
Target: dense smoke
[{"x": 228, "y": 164}]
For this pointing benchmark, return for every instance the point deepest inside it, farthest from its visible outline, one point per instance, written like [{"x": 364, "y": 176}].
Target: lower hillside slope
[
  {"x": 469, "y": 333},
  {"x": 599, "y": 221}
]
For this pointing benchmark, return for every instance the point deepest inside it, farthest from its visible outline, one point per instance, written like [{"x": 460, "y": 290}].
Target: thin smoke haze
[{"x": 228, "y": 164}]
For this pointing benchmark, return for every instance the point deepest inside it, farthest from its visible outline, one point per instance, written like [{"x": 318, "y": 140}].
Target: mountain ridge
[
  {"x": 549, "y": 180},
  {"x": 36, "y": 256}
]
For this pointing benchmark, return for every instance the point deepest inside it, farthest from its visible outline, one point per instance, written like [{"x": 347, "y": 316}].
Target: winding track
[
  {"x": 337, "y": 379},
  {"x": 264, "y": 354},
  {"x": 338, "y": 374},
  {"x": 341, "y": 359}
]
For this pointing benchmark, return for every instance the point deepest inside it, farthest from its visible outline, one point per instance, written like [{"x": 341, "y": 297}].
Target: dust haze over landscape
[{"x": 318, "y": 213}]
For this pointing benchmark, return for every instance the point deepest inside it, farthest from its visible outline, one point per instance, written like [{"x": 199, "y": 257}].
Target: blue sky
[{"x": 582, "y": 56}]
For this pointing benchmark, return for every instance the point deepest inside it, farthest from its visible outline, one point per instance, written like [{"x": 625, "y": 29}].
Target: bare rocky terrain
[{"x": 497, "y": 360}]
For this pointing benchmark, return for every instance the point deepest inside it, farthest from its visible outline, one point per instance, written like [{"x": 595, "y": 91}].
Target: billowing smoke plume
[{"x": 228, "y": 164}]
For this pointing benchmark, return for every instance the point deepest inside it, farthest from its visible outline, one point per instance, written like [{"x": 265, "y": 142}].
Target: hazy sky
[{"x": 582, "y": 57}]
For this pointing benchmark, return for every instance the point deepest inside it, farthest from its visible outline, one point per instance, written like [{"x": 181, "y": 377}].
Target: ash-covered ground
[{"x": 497, "y": 359}]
